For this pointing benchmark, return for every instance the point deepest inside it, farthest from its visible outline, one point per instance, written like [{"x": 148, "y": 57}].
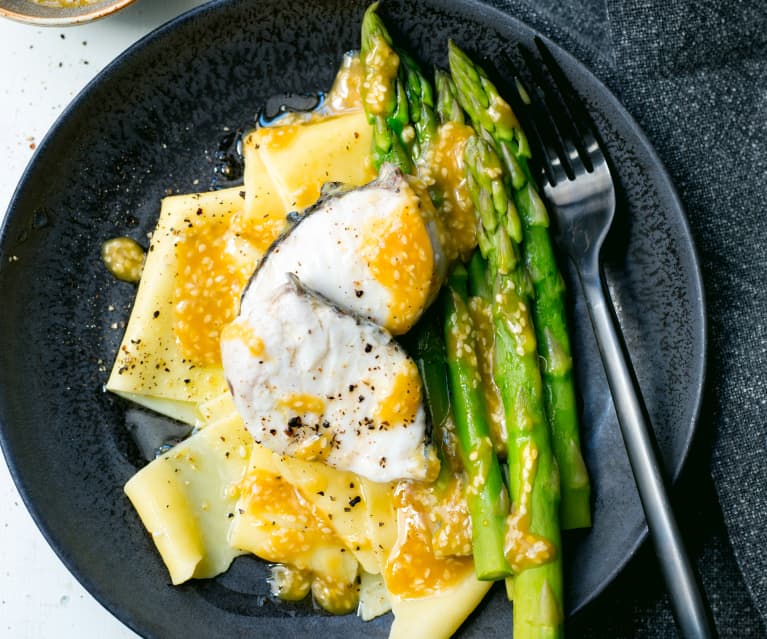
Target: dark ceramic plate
[{"x": 153, "y": 121}]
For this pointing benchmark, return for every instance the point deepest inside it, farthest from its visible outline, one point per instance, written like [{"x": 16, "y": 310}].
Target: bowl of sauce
[{"x": 59, "y": 12}]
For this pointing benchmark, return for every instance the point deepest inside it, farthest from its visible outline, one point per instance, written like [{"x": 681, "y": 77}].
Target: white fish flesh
[{"x": 315, "y": 382}]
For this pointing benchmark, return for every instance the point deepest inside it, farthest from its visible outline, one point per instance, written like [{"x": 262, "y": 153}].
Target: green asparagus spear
[
  {"x": 480, "y": 284},
  {"x": 487, "y": 497},
  {"x": 448, "y": 108},
  {"x": 496, "y": 122},
  {"x": 420, "y": 99},
  {"x": 480, "y": 308},
  {"x": 383, "y": 93},
  {"x": 425, "y": 343},
  {"x": 533, "y": 546},
  {"x": 496, "y": 211},
  {"x": 488, "y": 112}
]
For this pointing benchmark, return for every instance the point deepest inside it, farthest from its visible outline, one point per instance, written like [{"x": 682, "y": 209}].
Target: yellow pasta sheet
[
  {"x": 301, "y": 157},
  {"x": 218, "y": 495},
  {"x": 374, "y": 598},
  {"x": 150, "y": 368},
  {"x": 273, "y": 522},
  {"x": 187, "y": 499},
  {"x": 432, "y": 617},
  {"x": 438, "y": 616},
  {"x": 338, "y": 496},
  {"x": 217, "y": 408}
]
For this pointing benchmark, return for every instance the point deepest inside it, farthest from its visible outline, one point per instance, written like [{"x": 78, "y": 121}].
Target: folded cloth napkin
[{"x": 693, "y": 73}]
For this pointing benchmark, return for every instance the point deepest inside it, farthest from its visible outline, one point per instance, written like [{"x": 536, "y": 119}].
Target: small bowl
[{"x": 62, "y": 15}]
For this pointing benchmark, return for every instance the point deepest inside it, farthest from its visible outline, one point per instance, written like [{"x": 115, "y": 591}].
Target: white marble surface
[{"x": 42, "y": 69}]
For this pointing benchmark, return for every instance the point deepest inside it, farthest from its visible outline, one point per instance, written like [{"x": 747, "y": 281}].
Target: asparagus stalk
[
  {"x": 486, "y": 494},
  {"x": 426, "y": 345},
  {"x": 383, "y": 94},
  {"x": 499, "y": 228},
  {"x": 533, "y": 546},
  {"x": 495, "y": 121},
  {"x": 420, "y": 99},
  {"x": 480, "y": 308},
  {"x": 448, "y": 108},
  {"x": 533, "y": 539},
  {"x": 480, "y": 284}
]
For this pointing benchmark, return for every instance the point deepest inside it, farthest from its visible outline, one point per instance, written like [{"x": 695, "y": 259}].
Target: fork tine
[
  {"x": 582, "y": 120},
  {"x": 551, "y": 102},
  {"x": 535, "y": 115},
  {"x": 518, "y": 95}
]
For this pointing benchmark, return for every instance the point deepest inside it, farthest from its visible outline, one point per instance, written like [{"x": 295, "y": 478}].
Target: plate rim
[{"x": 698, "y": 308}]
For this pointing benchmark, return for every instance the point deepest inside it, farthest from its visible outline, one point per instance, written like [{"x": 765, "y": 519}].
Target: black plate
[{"x": 153, "y": 121}]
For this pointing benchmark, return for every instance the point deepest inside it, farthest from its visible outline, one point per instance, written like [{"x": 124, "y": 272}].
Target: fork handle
[{"x": 687, "y": 602}]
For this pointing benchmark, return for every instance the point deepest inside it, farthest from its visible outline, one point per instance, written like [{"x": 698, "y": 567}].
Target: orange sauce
[
  {"x": 303, "y": 403},
  {"x": 345, "y": 95},
  {"x": 295, "y": 530},
  {"x": 65, "y": 4},
  {"x": 245, "y": 334},
  {"x": 264, "y": 492},
  {"x": 415, "y": 567},
  {"x": 401, "y": 405},
  {"x": 381, "y": 64},
  {"x": 259, "y": 228},
  {"x": 447, "y": 512},
  {"x": 447, "y": 172},
  {"x": 124, "y": 258},
  {"x": 524, "y": 549},
  {"x": 399, "y": 255},
  {"x": 209, "y": 283}
]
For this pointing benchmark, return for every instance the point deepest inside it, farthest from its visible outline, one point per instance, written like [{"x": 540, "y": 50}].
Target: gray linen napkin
[{"x": 694, "y": 75}]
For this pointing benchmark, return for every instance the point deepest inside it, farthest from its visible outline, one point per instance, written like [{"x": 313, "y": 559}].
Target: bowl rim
[{"x": 62, "y": 19}]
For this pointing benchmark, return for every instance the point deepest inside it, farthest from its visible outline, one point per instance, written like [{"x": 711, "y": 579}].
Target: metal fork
[{"x": 580, "y": 190}]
